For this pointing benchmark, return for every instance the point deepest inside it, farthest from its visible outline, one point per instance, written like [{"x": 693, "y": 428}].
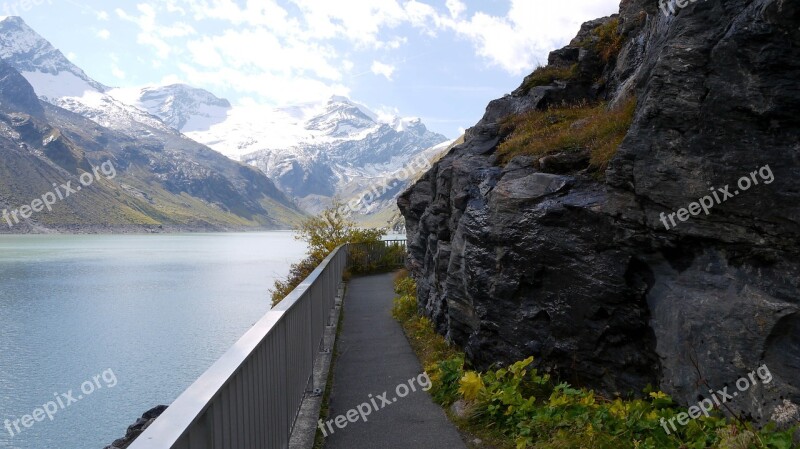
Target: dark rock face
[
  {"x": 16, "y": 94},
  {"x": 138, "y": 427},
  {"x": 539, "y": 258}
]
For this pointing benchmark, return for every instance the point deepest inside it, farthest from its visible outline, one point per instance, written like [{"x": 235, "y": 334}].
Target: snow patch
[{"x": 63, "y": 84}]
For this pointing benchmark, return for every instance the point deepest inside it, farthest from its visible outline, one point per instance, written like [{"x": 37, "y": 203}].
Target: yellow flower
[
  {"x": 558, "y": 400},
  {"x": 470, "y": 385},
  {"x": 658, "y": 395},
  {"x": 618, "y": 409},
  {"x": 588, "y": 400}
]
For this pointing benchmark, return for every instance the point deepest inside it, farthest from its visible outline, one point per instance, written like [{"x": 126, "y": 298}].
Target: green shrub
[
  {"x": 609, "y": 40},
  {"x": 405, "y": 304},
  {"x": 445, "y": 376},
  {"x": 375, "y": 257},
  {"x": 405, "y": 286},
  {"x": 430, "y": 347}
]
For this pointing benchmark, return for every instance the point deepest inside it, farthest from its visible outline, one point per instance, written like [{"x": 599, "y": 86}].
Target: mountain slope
[
  {"x": 376, "y": 206},
  {"x": 182, "y": 181}
]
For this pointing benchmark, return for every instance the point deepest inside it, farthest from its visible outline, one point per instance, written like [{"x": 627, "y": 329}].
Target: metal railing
[
  {"x": 372, "y": 257},
  {"x": 250, "y": 398}
]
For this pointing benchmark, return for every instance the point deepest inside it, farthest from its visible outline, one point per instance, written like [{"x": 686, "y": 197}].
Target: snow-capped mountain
[
  {"x": 165, "y": 177},
  {"x": 58, "y": 81},
  {"x": 182, "y": 107},
  {"x": 345, "y": 149},
  {"x": 22, "y": 48},
  {"x": 313, "y": 151}
]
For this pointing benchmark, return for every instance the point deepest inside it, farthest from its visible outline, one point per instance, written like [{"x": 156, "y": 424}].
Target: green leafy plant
[{"x": 528, "y": 409}]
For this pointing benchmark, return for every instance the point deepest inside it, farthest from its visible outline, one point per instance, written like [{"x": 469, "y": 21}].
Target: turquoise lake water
[{"x": 133, "y": 319}]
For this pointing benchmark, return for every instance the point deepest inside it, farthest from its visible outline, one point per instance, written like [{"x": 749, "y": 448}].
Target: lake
[{"x": 130, "y": 320}]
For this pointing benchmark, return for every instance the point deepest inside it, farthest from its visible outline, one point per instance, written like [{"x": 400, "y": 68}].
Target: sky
[{"x": 440, "y": 60}]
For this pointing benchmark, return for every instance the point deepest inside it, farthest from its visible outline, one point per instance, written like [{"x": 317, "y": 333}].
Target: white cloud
[
  {"x": 393, "y": 44},
  {"x": 104, "y": 34},
  {"x": 386, "y": 114},
  {"x": 151, "y": 33},
  {"x": 380, "y": 68},
  {"x": 269, "y": 87},
  {"x": 72, "y": 56},
  {"x": 348, "y": 65},
  {"x": 102, "y": 15},
  {"x": 358, "y": 21},
  {"x": 117, "y": 72},
  {"x": 255, "y": 13},
  {"x": 259, "y": 50},
  {"x": 286, "y": 50},
  {"x": 290, "y": 57},
  {"x": 520, "y": 40},
  {"x": 456, "y": 8}
]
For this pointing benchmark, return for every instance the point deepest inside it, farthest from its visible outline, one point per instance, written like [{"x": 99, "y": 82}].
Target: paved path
[{"x": 375, "y": 357}]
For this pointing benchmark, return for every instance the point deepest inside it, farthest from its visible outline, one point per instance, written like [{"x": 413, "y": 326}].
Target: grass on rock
[
  {"x": 595, "y": 128},
  {"x": 546, "y": 75}
]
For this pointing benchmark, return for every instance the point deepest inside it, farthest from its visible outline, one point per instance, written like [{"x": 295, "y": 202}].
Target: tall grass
[{"x": 597, "y": 128}]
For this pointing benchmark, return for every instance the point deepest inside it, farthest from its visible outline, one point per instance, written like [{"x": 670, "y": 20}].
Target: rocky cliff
[{"x": 551, "y": 256}]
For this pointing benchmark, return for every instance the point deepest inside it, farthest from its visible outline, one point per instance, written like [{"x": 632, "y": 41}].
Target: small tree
[
  {"x": 323, "y": 233},
  {"x": 332, "y": 228}
]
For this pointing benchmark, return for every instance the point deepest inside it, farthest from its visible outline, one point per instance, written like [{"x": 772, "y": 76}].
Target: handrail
[
  {"x": 377, "y": 256},
  {"x": 251, "y": 396}
]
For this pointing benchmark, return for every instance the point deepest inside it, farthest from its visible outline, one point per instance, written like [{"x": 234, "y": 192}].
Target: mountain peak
[
  {"x": 186, "y": 93},
  {"x": 14, "y": 20},
  {"x": 30, "y": 53},
  {"x": 180, "y": 106},
  {"x": 339, "y": 99},
  {"x": 342, "y": 118},
  {"x": 409, "y": 124}
]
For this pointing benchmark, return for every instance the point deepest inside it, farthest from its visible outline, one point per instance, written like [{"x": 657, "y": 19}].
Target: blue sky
[{"x": 441, "y": 60}]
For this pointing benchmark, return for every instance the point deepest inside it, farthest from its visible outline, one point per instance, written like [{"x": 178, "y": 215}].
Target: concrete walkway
[{"x": 375, "y": 357}]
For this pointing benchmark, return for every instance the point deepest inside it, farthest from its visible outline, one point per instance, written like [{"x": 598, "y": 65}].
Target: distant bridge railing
[
  {"x": 380, "y": 256},
  {"x": 250, "y": 398}
]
